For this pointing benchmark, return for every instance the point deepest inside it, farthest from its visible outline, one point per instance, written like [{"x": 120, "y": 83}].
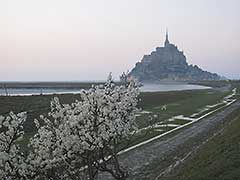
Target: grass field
[
  {"x": 176, "y": 103},
  {"x": 218, "y": 159}
]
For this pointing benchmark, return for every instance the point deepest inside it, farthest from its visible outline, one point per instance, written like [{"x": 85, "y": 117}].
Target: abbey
[{"x": 169, "y": 63}]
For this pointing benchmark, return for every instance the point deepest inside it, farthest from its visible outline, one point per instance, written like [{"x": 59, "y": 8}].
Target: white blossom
[
  {"x": 72, "y": 136},
  {"x": 12, "y": 161}
]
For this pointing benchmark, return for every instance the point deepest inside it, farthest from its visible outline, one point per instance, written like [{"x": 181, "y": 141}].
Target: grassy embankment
[{"x": 218, "y": 159}]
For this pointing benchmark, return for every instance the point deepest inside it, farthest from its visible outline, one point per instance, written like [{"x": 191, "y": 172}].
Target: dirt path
[{"x": 148, "y": 161}]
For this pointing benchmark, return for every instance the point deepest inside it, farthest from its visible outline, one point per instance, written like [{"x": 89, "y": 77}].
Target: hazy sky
[{"x": 86, "y": 39}]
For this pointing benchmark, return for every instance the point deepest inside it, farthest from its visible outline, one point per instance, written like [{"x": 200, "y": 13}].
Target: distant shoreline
[
  {"x": 43, "y": 89},
  {"x": 50, "y": 85},
  {"x": 88, "y": 84},
  {"x": 70, "y": 87}
]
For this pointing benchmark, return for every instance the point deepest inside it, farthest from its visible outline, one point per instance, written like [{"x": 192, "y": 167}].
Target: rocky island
[{"x": 170, "y": 64}]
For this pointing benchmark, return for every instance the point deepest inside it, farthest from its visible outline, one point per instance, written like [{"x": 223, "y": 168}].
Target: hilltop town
[{"x": 169, "y": 63}]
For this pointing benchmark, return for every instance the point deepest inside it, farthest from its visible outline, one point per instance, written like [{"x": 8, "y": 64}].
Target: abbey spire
[{"x": 166, "y": 40}]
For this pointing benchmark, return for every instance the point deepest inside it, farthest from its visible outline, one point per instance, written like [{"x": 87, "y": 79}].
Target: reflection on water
[
  {"x": 36, "y": 91},
  {"x": 144, "y": 88},
  {"x": 170, "y": 87}
]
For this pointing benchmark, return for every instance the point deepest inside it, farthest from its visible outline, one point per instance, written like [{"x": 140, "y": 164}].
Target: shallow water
[
  {"x": 144, "y": 88},
  {"x": 36, "y": 91},
  {"x": 170, "y": 87}
]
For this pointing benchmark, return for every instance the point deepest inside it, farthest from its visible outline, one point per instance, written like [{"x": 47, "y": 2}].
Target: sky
[{"x": 81, "y": 40}]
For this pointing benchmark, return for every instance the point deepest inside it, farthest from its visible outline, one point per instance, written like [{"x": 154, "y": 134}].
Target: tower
[{"x": 166, "y": 40}]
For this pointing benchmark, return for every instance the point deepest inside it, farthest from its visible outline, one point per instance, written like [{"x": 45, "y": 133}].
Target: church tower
[{"x": 166, "y": 40}]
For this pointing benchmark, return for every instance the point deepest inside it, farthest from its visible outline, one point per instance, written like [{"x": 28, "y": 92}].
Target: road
[{"x": 148, "y": 161}]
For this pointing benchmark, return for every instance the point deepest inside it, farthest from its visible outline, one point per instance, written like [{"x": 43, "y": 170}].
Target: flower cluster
[{"x": 12, "y": 160}]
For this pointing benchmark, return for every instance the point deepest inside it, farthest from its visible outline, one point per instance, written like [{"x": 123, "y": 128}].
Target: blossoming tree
[{"x": 76, "y": 141}]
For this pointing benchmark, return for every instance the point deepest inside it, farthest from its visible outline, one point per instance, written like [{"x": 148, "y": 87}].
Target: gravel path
[{"x": 148, "y": 161}]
